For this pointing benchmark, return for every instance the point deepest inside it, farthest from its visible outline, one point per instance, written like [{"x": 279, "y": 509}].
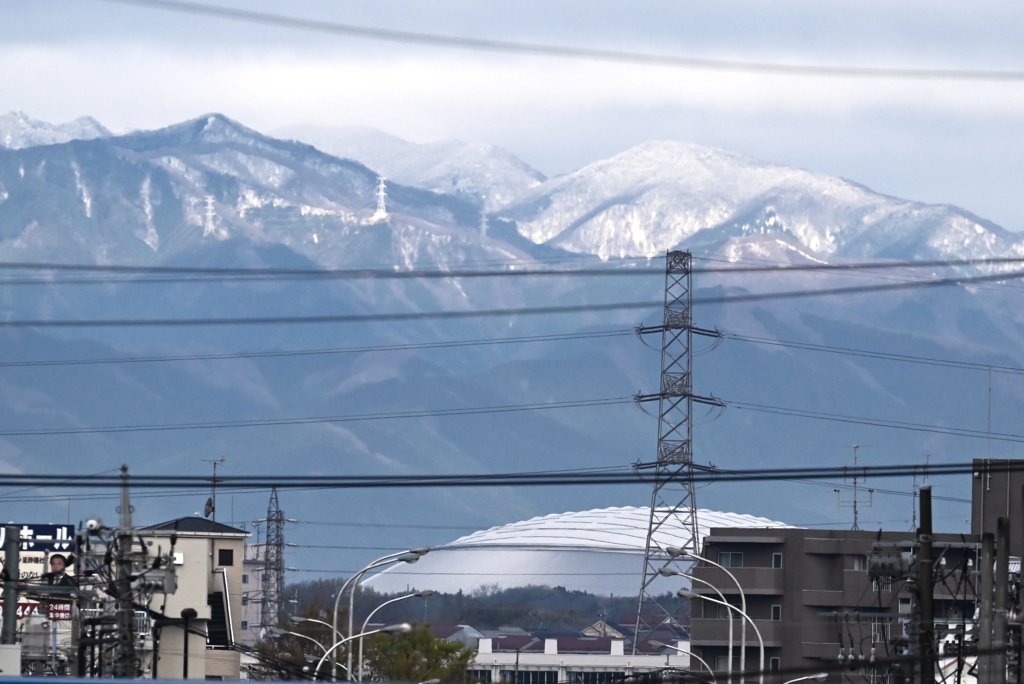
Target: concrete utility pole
[
  {"x": 985, "y": 618},
  {"x": 926, "y": 592},
  {"x": 12, "y": 539},
  {"x": 124, "y": 663},
  {"x": 1002, "y": 593}
]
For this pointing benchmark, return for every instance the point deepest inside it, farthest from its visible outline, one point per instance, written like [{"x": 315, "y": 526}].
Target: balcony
[
  {"x": 755, "y": 581},
  {"x": 709, "y": 632}
]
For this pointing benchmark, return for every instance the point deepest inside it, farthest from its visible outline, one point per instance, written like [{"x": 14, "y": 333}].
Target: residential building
[
  {"x": 208, "y": 559},
  {"x": 810, "y": 595},
  {"x": 996, "y": 492}
]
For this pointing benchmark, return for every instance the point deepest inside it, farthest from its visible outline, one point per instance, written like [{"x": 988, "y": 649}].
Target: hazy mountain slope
[
  {"x": 17, "y": 130},
  {"x": 662, "y": 194},
  {"x": 483, "y": 174}
]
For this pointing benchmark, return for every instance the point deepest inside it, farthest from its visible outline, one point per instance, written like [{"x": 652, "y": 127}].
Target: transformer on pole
[
  {"x": 273, "y": 555},
  {"x": 673, "y": 500}
]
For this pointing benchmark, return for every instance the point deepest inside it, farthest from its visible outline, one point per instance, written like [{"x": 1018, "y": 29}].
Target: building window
[
  {"x": 904, "y": 606},
  {"x": 245, "y": 600},
  {"x": 245, "y": 624},
  {"x": 776, "y": 612},
  {"x": 245, "y": 579},
  {"x": 860, "y": 562},
  {"x": 881, "y": 584},
  {"x": 263, "y": 577},
  {"x": 879, "y": 632},
  {"x": 730, "y": 559},
  {"x": 722, "y": 663},
  {"x": 721, "y": 612},
  {"x": 775, "y": 664},
  {"x": 225, "y": 557},
  {"x": 776, "y": 560}
]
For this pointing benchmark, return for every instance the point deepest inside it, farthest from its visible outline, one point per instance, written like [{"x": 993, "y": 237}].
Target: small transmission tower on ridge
[
  {"x": 209, "y": 226},
  {"x": 856, "y": 503},
  {"x": 673, "y": 501},
  {"x": 382, "y": 194},
  {"x": 272, "y": 609}
]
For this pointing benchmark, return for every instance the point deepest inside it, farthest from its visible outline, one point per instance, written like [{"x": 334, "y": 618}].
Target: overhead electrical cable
[
  {"x": 165, "y": 274},
  {"x": 535, "y": 478},
  {"x": 569, "y": 52},
  {"x": 357, "y": 417},
  {"x": 523, "y": 311},
  {"x": 321, "y": 352}
]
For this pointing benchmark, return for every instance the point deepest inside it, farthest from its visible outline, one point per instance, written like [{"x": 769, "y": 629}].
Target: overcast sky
[{"x": 937, "y": 141}]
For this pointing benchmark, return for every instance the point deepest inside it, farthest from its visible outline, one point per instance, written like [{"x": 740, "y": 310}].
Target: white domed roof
[{"x": 600, "y": 551}]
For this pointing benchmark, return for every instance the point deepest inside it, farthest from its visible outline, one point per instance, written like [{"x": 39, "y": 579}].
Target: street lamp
[
  {"x": 422, "y": 594},
  {"x": 401, "y": 628},
  {"x": 280, "y": 632},
  {"x": 299, "y": 620},
  {"x": 410, "y": 556},
  {"x": 820, "y": 677},
  {"x": 669, "y": 572},
  {"x": 683, "y": 593},
  {"x": 658, "y": 644},
  {"x": 675, "y": 551}
]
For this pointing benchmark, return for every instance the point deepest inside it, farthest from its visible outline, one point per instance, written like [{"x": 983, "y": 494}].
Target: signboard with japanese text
[{"x": 43, "y": 538}]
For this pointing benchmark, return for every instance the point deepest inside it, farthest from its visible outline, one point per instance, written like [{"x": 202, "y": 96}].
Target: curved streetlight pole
[
  {"x": 299, "y": 620},
  {"x": 821, "y": 676},
  {"x": 410, "y": 556},
  {"x": 658, "y": 644},
  {"x": 422, "y": 594},
  {"x": 278, "y": 632},
  {"x": 672, "y": 551},
  {"x": 689, "y": 594},
  {"x": 669, "y": 572},
  {"x": 402, "y": 628}
]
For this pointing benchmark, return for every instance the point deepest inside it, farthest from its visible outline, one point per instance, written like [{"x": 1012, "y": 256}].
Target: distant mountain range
[{"x": 211, "y": 192}]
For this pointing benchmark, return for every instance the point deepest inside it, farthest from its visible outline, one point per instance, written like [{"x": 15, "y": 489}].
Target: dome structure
[{"x": 600, "y": 551}]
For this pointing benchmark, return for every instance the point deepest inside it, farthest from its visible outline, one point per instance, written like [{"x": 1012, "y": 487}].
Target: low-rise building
[
  {"x": 810, "y": 595},
  {"x": 208, "y": 559}
]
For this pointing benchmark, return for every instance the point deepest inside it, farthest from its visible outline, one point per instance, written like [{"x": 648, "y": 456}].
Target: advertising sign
[
  {"x": 59, "y": 612},
  {"x": 43, "y": 538}
]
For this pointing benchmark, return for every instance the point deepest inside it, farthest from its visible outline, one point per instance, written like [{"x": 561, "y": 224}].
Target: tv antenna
[
  {"x": 211, "y": 503},
  {"x": 856, "y": 502}
]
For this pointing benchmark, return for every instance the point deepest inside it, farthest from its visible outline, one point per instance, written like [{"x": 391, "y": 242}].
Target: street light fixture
[
  {"x": 820, "y": 677},
  {"x": 683, "y": 593},
  {"x": 299, "y": 620},
  {"x": 421, "y": 594},
  {"x": 401, "y": 628},
  {"x": 676, "y": 552},
  {"x": 410, "y": 556},
  {"x": 669, "y": 572},
  {"x": 659, "y": 644}
]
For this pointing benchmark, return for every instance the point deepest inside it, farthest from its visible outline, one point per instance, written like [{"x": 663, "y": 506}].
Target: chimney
[{"x": 551, "y": 647}]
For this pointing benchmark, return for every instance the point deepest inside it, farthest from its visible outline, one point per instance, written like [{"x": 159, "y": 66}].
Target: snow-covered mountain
[
  {"x": 488, "y": 176},
  {"x": 17, "y": 130},
  {"x": 660, "y": 195}
]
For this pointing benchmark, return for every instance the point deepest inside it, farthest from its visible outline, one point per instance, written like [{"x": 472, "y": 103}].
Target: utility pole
[
  {"x": 985, "y": 617},
  {"x": 1001, "y": 597},
  {"x": 124, "y": 663},
  {"x": 213, "y": 499},
  {"x": 673, "y": 499},
  {"x": 926, "y": 591},
  {"x": 12, "y": 539}
]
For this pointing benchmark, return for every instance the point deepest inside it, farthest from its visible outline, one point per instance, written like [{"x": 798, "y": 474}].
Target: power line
[
  {"x": 867, "y": 353},
  {"x": 318, "y": 352},
  {"x": 264, "y": 422},
  {"x": 544, "y": 478},
  {"x": 522, "y": 311},
  {"x": 597, "y": 54}
]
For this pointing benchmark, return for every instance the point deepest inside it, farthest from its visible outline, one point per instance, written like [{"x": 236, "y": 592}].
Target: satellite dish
[{"x": 208, "y": 509}]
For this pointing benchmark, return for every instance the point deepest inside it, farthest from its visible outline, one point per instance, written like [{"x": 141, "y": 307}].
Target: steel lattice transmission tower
[
  {"x": 673, "y": 501},
  {"x": 273, "y": 555}
]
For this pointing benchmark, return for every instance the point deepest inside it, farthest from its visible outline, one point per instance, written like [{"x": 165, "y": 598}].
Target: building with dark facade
[
  {"x": 811, "y": 597},
  {"x": 996, "y": 492}
]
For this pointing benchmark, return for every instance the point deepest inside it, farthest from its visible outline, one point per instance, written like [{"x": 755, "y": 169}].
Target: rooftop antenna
[
  {"x": 382, "y": 193},
  {"x": 211, "y": 503},
  {"x": 856, "y": 502}
]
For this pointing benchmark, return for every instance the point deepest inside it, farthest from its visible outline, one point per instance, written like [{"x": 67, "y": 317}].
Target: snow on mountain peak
[
  {"x": 18, "y": 130},
  {"x": 663, "y": 194}
]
